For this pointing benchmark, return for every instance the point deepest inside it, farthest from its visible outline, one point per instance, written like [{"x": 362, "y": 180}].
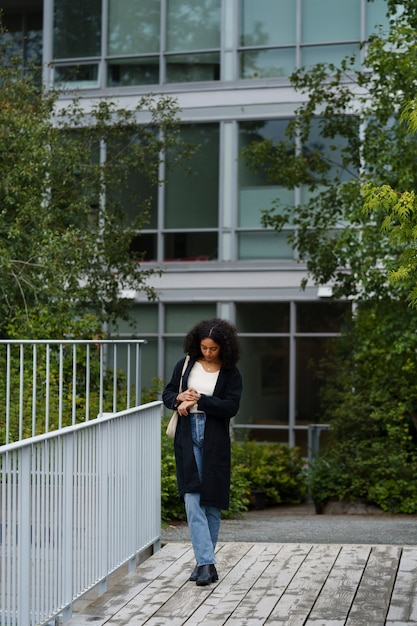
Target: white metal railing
[
  {"x": 49, "y": 384},
  {"x": 76, "y": 504}
]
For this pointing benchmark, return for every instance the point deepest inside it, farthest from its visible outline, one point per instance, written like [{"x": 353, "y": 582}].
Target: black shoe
[
  {"x": 194, "y": 575},
  {"x": 214, "y": 574},
  {"x": 206, "y": 574}
]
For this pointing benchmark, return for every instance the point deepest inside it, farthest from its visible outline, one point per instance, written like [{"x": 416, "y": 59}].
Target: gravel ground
[{"x": 300, "y": 524}]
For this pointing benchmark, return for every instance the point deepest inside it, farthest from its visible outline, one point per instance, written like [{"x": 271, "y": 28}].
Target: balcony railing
[{"x": 75, "y": 505}]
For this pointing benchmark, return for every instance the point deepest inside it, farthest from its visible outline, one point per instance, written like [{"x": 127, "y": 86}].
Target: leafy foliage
[
  {"x": 70, "y": 205},
  {"x": 371, "y": 404}
]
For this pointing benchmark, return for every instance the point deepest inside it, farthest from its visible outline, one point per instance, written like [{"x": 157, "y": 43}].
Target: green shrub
[{"x": 272, "y": 467}]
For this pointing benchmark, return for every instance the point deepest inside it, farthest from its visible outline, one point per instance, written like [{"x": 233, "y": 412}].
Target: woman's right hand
[{"x": 184, "y": 406}]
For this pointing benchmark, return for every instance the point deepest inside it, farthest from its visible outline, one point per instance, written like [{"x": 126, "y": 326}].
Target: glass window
[
  {"x": 193, "y": 25},
  {"x": 321, "y": 317},
  {"x": 376, "y": 15},
  {"x": 180, "y": 318},
  {"x": 254, "y": 200},
  {"x": 144, "y": 246},
  {"x": 267, "y": 22},
  {"x": 264, "y": 24},
  {"x": 257, "y": 188},
  {"x": 191, "y": 200},
  {"x": 309, "y": 352},
  {"x": 77, "y": 29},
  {"x": 133, "y": 72},
  {"x": 187, "y": 68},
  {"x": 311, "y": 55},
  {"x": 271, "y": 317},
  {"x": 145, "y": 319},
  {"x": 72, "y": 76},
  {"x": 331, "y": 149},
  {"x": 264, "y": 245},
  {"x": 258, "y": 192},
  {"x": 134, "y": 27},
  {"x": 191, "y": 246},
  {"x": 173, "y": 352},
  {"x": 330, "y": 20},
  {"x": 149, "y": 363},
  {"x": 267, "y": 63},
  {"x": 265, "y": 371},
  {"x": 23, "y": 34}
]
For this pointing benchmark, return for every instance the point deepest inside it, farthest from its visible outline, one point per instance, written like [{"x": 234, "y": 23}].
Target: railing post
[
  {"x": 67, "y": 522},
  {"x": 23, "y": 534}
]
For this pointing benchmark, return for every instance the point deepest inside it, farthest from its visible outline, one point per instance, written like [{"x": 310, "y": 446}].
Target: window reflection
[
  {"x": 23, "y": 36},
  {"x": 193, "y": 25},
  {"x": 77, "y": 28},
  {"x": 192, "y": 199},
  {"x": 133, "y": 72},
  {"x": 187, "y": 68},
  {"x": 134, "y": 27}
]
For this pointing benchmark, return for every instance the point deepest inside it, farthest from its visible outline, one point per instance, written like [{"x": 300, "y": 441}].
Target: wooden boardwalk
[{"x": 266, "y": 583}]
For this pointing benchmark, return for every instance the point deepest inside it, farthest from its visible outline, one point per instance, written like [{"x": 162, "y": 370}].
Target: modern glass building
[{"x": 227, "y": 62}]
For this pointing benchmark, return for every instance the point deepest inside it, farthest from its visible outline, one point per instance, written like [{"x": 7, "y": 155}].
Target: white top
[{"x": 203, "y": 381}]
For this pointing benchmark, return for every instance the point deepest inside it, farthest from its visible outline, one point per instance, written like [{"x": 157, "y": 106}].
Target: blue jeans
[{"x": 203, "y": 521}]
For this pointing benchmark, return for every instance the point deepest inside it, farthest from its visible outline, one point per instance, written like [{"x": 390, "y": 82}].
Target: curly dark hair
[{"x": 222, "y": 332}]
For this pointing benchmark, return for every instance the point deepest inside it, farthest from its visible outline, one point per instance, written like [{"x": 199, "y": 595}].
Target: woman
[{"x": 212, "y": 388}]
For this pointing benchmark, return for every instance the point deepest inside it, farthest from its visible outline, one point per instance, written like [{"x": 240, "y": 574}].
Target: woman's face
[{"x": 210, "y": 350}]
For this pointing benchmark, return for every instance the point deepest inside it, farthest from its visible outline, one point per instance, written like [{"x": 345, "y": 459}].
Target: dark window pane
[
  {"x": 188, "y": 68},
  {"x": 321, "y": 317},
  {"x": 77, "y": 28},
  {"x": 191, "y": 247},
  {"x": 23, "y": 35},
  {"x": 256, "y": 317},
  {"x": 265, "y": 369},
  {"x": 191, "y": 200},
  {"x": 144, "y": 246},
  {"x": 133, "y": 72},
  {"x": 309, "y": 352}
]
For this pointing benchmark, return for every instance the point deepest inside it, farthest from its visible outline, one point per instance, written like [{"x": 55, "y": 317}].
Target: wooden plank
[
  {"x": 371, "y": 603},
  {"x": 233, "y": 588},
  {"x": 403, "y": 606},
  {"x": 267, "y": 584},
  {"x": 337, "y": 594},
  {"x": 295, "y": 604},
  {"x": 190, "y": 599},
  {"x": 262, "y": 597},
  {"x": 159, "y": 588}
]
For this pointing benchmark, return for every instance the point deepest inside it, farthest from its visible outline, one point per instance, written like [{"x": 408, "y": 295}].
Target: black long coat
[{"x": 219, "y": 409}]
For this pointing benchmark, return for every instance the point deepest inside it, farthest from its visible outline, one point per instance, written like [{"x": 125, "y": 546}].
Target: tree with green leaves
[
  {"x": 400, "y": 223},
  {"x": 350, "y": 153},
  {"x": 76, "y": 186}
]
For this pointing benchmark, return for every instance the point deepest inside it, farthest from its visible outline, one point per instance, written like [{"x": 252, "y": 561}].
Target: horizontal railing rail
[
  {"x": 76, "y": 505},
  {"x": 49, "y": 384}
]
